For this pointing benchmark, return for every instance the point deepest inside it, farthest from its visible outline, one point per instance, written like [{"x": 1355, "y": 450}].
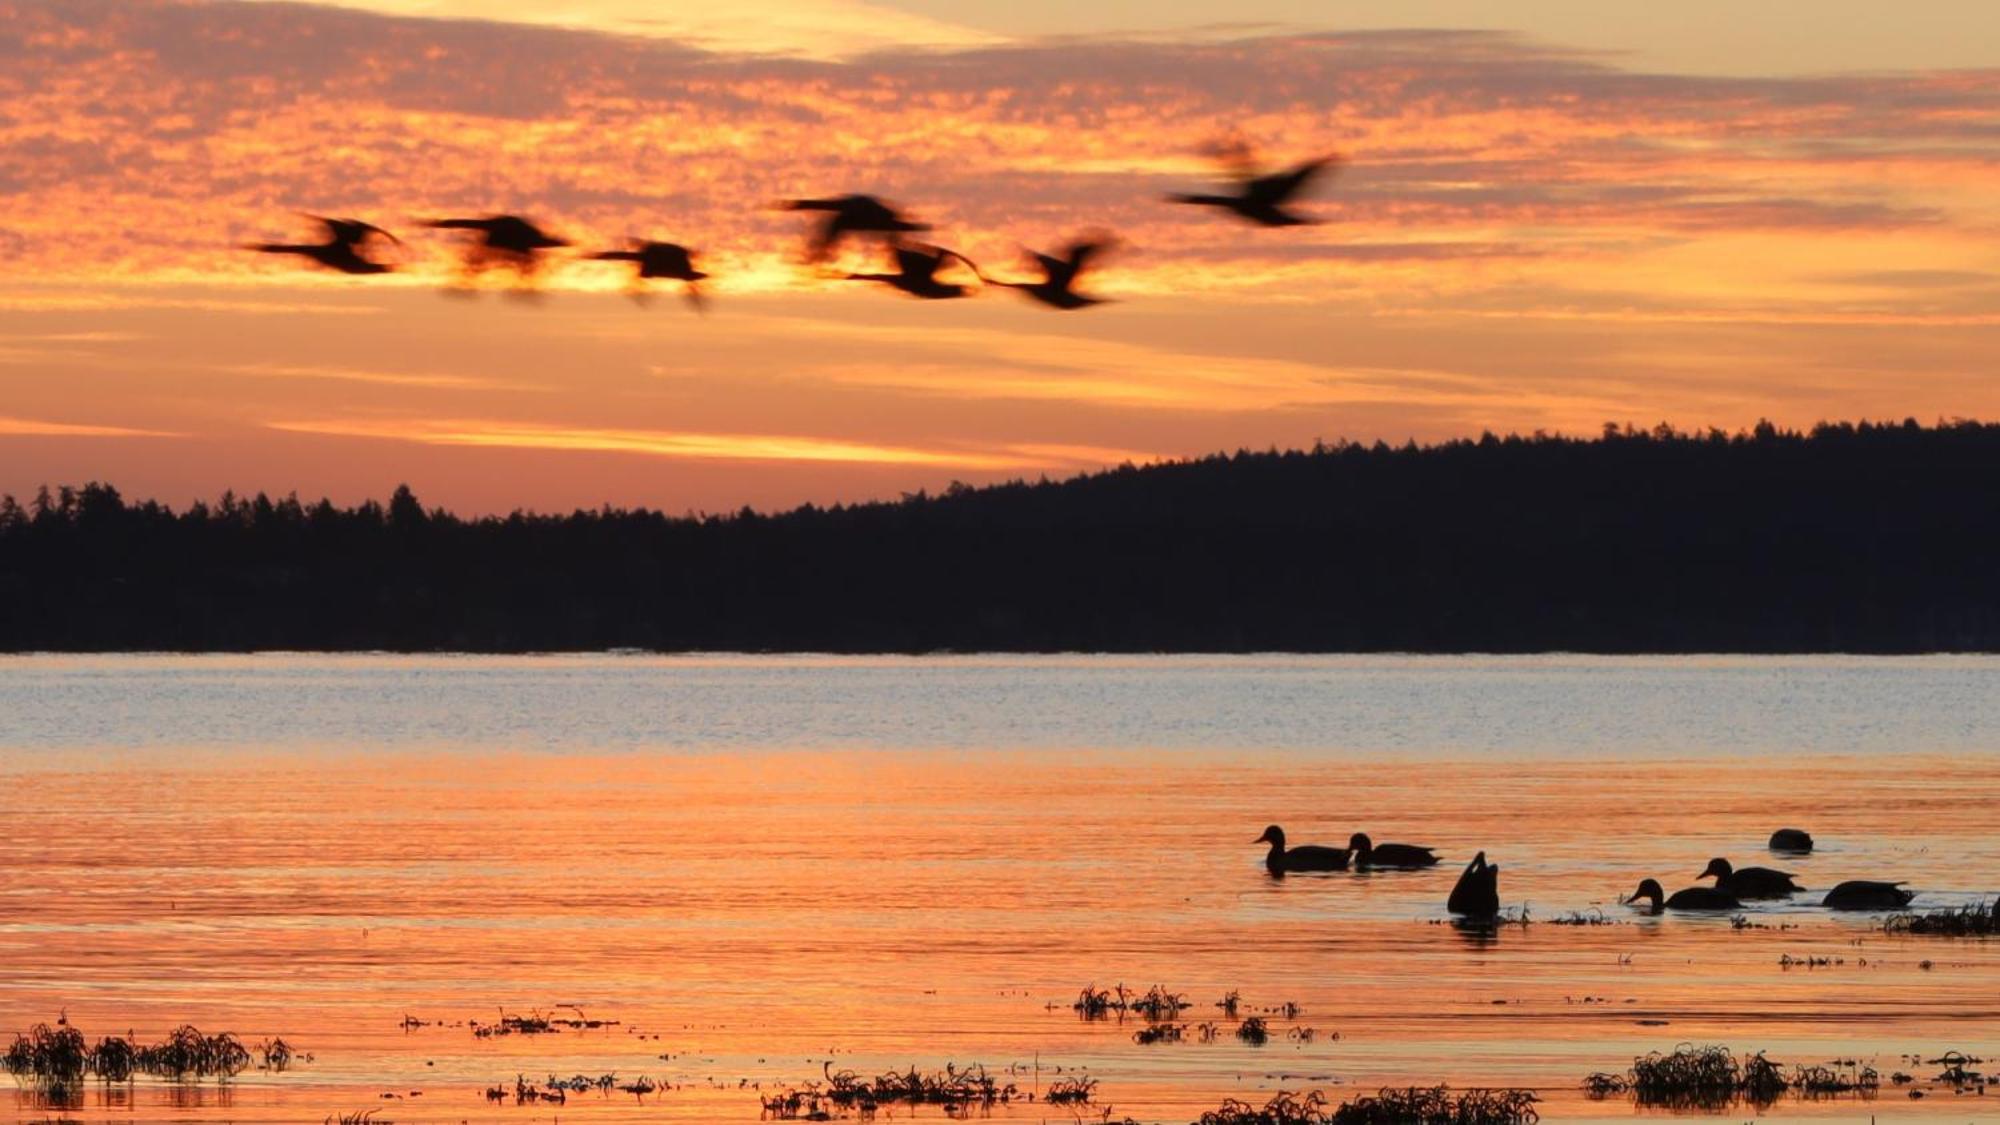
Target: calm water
[{"x": 757, "y": 865}]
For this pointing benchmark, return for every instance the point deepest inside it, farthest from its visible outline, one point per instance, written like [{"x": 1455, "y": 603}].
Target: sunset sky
[{"x": 1568, "y": 214}]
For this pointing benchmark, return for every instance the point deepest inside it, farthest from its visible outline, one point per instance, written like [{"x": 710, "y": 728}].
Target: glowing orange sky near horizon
[{"x": 1527, "y": 237}]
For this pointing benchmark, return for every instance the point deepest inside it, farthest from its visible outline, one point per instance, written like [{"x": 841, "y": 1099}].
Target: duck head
[
  {"x": 1274, "y": 836},
  {"x": 1717, "y": 867},
  {"x": 1650, "y": 890},
  {"x": 1360, "y": 844}
]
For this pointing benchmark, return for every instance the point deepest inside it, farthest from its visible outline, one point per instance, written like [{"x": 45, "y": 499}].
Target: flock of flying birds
[{"x": 520, "y": 246}]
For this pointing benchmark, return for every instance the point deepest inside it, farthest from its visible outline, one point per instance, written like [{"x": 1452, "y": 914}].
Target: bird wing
[
  {"x": 826, "y": 233},
  {"x": 1279, "y": 187},
  {"x": 918, "y": 263},
  {"x": 942, "y": 254},
  {"x": 350, "y": 231},
  {"x": 675, "y": 258},
  {"x": 865, "y": 212},
  {"x": 1080, "y": 254}
]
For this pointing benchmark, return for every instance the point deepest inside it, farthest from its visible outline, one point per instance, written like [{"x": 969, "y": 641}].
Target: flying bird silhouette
[
  {"x": 1057, "y": 289},
  {"x": 503, "y": 240},
  {"x": 850, "y": 214},
  {"x": 342, "y": 250},
  {"x": 916, "y": 272},
  {"x": 1261, "y": 199},
  {"x": 658, "y": 261}
]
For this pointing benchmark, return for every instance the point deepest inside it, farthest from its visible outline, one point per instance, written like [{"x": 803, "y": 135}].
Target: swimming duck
[
  {"x": 1369, "y": 854},
  {"x": 1690, "y": 898},
  {"x": 1791, "y": 840},
  {"x": 1750, "y": 882},
  {"x": 1477, "y": 894},
  {"x": 1305, "y": 857},
  {"x": 1867, "y": 894}
]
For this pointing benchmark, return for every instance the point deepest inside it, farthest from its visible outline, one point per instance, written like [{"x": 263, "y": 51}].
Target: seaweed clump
[
  {"x": 1285, "y": 1108},
  {"x": 1437, "y": 1105},
  {"x": 52, "y": 1057},
  {"x": 1156, "y": 1004},
  {"x": 1693, "y": 1077},
  {"x": 58, "y": 1058},
  {"x": 1958, "y": 921},
  {"x": 958, "y": 1091},
  {"x": 1832, "y": 1079},
  {"x": 1071, "y": 1091},
  {"x": 187, "y": 1053},
  {"x": 1416, "y": 1105}
]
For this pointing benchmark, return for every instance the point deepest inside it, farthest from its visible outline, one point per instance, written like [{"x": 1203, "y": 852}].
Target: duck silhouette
[
  {"x": 1691, "y": 898},
  {"x": 1306, "y": 857},
  {"x": 1370, "y": 854},
  {"x": 850, "y": 214},
  {"x": 1477, "y": 893},
  {"x": 659, "y": 261},
  {"x": 916, "y": 272},
  {"x": 1261, "y": 199},
  {"x": 1791, "y": 840},
  {"x": 503, "y": 240},
  {"x": 1057, "y": 289},
  {"x": 342, "y": 250},
  {"x": 1749, "y": 882},
  {"x": 1867, "y": 894}
]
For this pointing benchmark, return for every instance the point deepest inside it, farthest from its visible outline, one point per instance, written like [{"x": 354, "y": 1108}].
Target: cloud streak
[
  {"x": 40, "y": 427},
  {"x": 494, "y": 433}
]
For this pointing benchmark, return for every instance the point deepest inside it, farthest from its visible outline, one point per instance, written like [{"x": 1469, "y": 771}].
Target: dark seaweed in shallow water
[
  {"x": 957, "y": 1091},
  {"x": 1710, "y": 1078},
  {"x": 1285, "y": 1108},
  {"x": 187, "y": 1053},
  {"x": 52, "y": 1057},
  {"x": 1831, "y": 1079},
  {"x": 1415, "y": 1105},
  {"x": 57, "y": 1058},
  {"x": 1071, "y": 1091},
  {"x": 1437, "y": 1105},
  {"x": 1961, "y": 921}
]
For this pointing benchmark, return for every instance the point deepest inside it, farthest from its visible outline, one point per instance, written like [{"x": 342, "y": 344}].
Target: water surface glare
[{"x": 762, "y": 865}]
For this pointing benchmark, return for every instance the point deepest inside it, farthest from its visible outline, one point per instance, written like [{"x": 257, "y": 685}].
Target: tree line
[{"x": 1848, "y": 537}]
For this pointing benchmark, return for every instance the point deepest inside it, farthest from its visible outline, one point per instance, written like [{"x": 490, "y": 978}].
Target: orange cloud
[{"x": 1525, "y": 236}]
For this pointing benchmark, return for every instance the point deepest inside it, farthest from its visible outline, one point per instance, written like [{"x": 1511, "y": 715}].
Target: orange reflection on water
[{"x": 748, "y": 918}]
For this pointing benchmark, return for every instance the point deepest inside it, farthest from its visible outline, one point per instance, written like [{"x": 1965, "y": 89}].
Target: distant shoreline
[{"x": 1850, "y": 539}]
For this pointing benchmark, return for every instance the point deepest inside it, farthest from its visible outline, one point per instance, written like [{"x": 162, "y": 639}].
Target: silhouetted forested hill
[{"x": 1851, "y": 538}]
